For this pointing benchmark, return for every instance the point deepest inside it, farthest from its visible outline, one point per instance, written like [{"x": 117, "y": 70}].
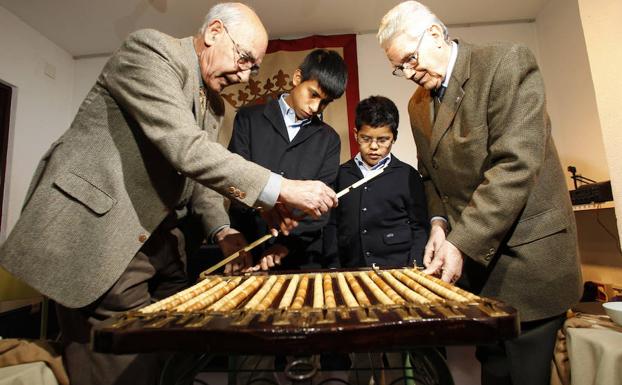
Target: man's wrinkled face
[
  {"x": 374, "y": 143},
  {"x": 307, "y": 97},
  {"x": 418, "y": 57},
  {"x": 229, "y": 58}
]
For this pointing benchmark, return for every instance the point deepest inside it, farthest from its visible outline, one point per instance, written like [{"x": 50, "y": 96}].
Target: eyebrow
[
  {"x": 404, "y": 58},
  {"x": 250, "y": 56}
]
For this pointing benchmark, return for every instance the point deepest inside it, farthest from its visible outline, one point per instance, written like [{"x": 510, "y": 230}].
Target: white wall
[
  {"x": 41, "y": 111},
  {"x": 601, "y": 25},
  {"x": 570, "y": 90},
  {"x": 602, "y": 30},
  {"x": 375, "y": 76},
  {"x": 86, "y": 72}
]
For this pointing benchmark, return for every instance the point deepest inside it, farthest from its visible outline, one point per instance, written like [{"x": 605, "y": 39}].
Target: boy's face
[
  {"x": 374, "y": 143},
  {"x": 307, "y": 98}
]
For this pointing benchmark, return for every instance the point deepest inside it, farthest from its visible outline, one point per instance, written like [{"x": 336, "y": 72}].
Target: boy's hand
[
  {"x": 230, "y": 241},
  {"x": 271, "y": 257}
]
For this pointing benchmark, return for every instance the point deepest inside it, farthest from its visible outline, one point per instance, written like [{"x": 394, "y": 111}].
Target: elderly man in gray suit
[
  {"x": 500, "y": 211},
  {"x": 98, "y": 233}
]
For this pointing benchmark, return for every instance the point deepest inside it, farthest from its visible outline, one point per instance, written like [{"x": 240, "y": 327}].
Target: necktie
[
  {"x": 202, "y": 99},
  {"x": 438, "y": 93},
  {"x": 437, "y": 97}
]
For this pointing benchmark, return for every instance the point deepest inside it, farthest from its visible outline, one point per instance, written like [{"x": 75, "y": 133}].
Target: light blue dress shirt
[{"x": 364, "y": 167}]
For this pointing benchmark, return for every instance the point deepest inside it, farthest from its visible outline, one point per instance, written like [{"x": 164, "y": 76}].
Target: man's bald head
[
  {"x": 240, "y": 19},
  {"x": 230, "y": 45}
]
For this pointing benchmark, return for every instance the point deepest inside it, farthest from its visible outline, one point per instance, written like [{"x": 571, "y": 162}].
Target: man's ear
[
  {"x": 297, "y": 77},
  {"x": 213, "y": 30},
  {"x": 436, "y": 32}
]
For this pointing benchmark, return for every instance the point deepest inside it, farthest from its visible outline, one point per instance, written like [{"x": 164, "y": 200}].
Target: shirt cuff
[
  {"x": 270, "y": 193},
  {"x": 212, "y": 236},
  {"x": 438, "y": 217}
]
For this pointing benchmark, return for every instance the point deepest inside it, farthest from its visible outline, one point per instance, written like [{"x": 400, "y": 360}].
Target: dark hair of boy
[
  {"x": 328, "y": 69},
  {"x": 377, "y": 111}
]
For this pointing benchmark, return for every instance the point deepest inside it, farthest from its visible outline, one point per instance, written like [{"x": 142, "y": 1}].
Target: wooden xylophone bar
[{"x": 307, "y": 313}]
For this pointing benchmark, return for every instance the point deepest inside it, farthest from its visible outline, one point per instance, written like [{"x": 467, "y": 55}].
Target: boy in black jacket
[
  {"x": 385, "y": 221},
  {"x": 288, "y": 136}
]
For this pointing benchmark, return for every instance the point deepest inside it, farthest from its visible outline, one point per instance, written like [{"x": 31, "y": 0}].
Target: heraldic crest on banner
[{"x": 258, "y": 91}]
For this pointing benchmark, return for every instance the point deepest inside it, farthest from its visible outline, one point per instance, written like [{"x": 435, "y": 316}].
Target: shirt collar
[
  {"x": 452, "y": 62},
  {"x": 289, "y": 114},
  {"x": 358, "y": 159}
]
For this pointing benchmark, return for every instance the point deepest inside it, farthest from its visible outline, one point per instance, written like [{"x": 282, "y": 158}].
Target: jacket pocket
[
  {"x": 85, "y": 192},
  {"x": 538, "y": 226},
  {"x": 397, "y": 236}
]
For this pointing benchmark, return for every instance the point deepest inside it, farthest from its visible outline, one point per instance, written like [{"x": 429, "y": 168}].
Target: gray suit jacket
[
  {"x": 129, "y": 159},
  {"x": 490, "y": 166}
]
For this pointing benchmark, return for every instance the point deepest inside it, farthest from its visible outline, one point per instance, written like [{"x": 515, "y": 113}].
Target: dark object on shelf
[{"x": 590, "y": 191}]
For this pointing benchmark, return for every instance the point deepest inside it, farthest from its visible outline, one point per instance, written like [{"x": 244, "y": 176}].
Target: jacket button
[
  {"x": 368, "y": 254},
  {"x": 364, "y": 231},
  {"x": 364, "y": 209},
  {"x": 445, "y": 199},
  {"x": 231, "y": 190},
  {"x": 142, "y": 238},
  {"x": 242, "y": 195}
]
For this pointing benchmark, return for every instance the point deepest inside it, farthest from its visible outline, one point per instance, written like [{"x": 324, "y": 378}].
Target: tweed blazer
[
  {"x": 260, "y": 135},
  {"x": 129, "y": 159},
  {"x": 490, "y": 167}
]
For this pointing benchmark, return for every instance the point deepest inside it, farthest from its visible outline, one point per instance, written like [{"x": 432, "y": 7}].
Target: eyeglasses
[
  {"x": 383, "y": 141},
  {"x": 246, "y": 61},
  {"x": 412, "y": 59}
]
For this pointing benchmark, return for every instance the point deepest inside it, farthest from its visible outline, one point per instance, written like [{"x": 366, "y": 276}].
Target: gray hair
[
  {"x": 408, "y": 16},
  {"x": 231, "y": 14}
]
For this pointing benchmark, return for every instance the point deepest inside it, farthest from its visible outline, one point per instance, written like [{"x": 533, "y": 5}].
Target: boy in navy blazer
[
  {"x": 288, "y": 136},
  {"x": 385, "y": 221}
]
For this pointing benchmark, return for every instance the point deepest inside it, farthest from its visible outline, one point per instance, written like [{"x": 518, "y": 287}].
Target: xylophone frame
[{"x": 310, "y": 330}]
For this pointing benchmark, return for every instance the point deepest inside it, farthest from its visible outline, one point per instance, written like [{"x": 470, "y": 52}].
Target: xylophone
[{"x": 312, "y": 312}]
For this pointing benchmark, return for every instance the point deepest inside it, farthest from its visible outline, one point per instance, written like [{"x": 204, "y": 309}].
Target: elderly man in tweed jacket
[
  {"x": 501, "y": 215},
  {"x": 98, "y": 230}
]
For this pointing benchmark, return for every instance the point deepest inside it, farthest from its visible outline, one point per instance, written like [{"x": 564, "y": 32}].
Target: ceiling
[{"x": 90, "y": 27}]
